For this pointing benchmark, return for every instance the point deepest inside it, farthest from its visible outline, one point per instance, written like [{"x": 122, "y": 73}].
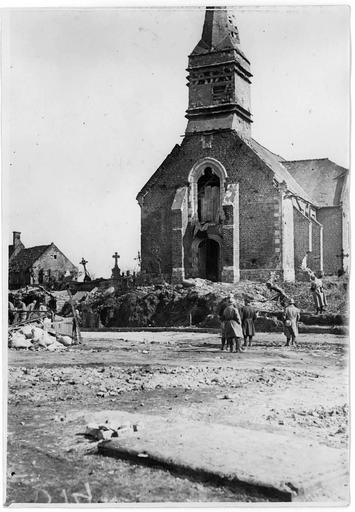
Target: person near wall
[
  {"x": 31, "y": 310},
  {"x": 221, "y": 319},
  {"x": 76, "y": 318},
  {"x": 42, "y": 310},
  {"x": 280, "y": 296},
  {"x": 232, "y": 326},
  {"x": 21, "y": 310},
  {"x": 291, "y": 317},
  {"x": 319, "y": 297},
  {"x": 248, "y": 317}
]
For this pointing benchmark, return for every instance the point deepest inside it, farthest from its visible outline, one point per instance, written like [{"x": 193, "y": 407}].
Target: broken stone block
[
  {"x": 65, "y": 340},
  {"x": 19, "y": 341},
  {"x": 105, "y": 434},
  {"x": 53, "y": 347},
  {"x": 26, "y": 330},
  {"x": 37, "y": 333}
]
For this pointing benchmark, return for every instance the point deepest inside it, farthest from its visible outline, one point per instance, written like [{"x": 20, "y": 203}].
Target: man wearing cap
[
  {"x": 232, "y": 326},
  {"x": 291, "y": 318},
  {"x": 248, "y": 322}
]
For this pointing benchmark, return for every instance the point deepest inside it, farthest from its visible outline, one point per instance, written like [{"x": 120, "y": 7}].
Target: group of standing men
[
  {"x": 20, "y": 312},
  {"x": 238, "y": 325}
]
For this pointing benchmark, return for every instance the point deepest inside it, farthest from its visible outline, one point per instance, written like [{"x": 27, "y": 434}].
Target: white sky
[{"x": 94, "y": 100}]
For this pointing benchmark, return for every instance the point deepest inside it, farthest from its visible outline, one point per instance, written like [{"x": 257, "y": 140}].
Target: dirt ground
[{"x": 300, "y": 391}]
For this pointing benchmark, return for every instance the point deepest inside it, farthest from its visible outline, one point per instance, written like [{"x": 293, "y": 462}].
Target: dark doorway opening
[
  {"x": 208, "y": 258},
  {"x": 41, "y": 276}
]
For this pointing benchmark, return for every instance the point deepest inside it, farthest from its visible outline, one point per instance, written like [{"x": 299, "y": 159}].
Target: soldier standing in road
[
  {"x": 291, "y": 318},
  {"x": 232, "y": 326},
  {"x": 248, "y": 318}
]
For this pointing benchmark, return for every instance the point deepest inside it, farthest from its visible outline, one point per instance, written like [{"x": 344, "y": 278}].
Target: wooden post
[{"x": 75, "y": 317}]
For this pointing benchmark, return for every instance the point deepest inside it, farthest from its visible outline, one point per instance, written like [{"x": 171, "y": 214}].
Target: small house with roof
[{"x": 42, "y": 264}]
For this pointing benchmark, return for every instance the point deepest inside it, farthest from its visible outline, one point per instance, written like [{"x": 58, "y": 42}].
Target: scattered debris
[
  {"x": 104, "y": 432},
  {"x": 32, "y": 337}
]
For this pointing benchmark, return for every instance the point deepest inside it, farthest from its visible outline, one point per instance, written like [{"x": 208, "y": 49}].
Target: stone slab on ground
[{"x": 288, "y": 467}]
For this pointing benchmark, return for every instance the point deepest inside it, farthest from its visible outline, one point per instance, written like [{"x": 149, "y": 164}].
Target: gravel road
[{"x": 303, "y": 392}]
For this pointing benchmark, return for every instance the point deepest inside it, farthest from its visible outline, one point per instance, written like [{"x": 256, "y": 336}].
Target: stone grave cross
[
  {"x": 116, "y": 256},
  {"x": 116, "y": 271}
]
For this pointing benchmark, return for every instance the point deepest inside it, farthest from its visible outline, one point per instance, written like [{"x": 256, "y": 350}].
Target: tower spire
[
  {"x": 219, "y": 30},
  {"x": 219, "y": 77}
]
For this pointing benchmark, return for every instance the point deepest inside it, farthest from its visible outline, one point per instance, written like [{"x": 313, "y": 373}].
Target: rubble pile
[
  {"x": 198, "y": 302},
  {"x": 32, "y": 337}
]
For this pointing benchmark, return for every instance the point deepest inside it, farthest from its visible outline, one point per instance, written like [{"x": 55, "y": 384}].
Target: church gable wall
[
  {"x": 156, "y": 234},
  {"x": 259, "y": 202}
]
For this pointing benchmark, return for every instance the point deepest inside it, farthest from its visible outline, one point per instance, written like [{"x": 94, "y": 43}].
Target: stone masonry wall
[
  {"x": 331, "y": 218},
  {"x": 287, "y": 240},
  {"x": 302, "y": 237},
  {"x": 55, "y": 261},
  {"x": 315, "y": 259},
  {"x": 257, "y": 198},
  {"x": 156, "y": 227}
]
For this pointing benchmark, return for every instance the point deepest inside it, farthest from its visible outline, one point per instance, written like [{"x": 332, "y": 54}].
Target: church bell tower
[{"x": 219, "y": 78}]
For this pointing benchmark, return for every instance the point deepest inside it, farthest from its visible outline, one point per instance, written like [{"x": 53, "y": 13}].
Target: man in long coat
[
  {"x": 248, "y": 318},
  {"x": 318, "y": 294},
  {"x": 291, "y": 318},
  {"x": 232, "y": 326}
]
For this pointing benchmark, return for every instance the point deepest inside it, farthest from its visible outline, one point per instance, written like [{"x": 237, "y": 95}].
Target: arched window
[
  {"x": 208, "y": 194},
  {"x": 207, "y": 179}
]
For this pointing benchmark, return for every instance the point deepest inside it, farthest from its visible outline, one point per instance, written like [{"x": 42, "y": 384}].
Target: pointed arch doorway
[{"x": 209, "y": 259}]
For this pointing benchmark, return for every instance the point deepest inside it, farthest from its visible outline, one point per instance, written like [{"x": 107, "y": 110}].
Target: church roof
[
  {"x": 323, "y": 179},
  {"x": 27, "y": 257},
  {"x": 276, "y": 164}
]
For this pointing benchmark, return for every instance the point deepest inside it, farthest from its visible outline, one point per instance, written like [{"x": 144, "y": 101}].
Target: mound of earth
[{"x": 199, "y": 302}]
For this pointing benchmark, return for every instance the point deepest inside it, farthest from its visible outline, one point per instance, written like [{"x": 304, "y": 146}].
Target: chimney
[{"x": 16, "y": 238}]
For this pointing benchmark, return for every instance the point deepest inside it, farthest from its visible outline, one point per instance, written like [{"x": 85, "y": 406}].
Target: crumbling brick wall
[
  {"x": 331, "y": 219},
  {"x": 53, "y": 263},
  {"x": 302, "y": 237},
  {"x": 258, "y": 246}
]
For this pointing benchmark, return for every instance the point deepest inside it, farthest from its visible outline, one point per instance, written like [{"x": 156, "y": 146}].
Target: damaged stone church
[{"x": 224, "y": 208}]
